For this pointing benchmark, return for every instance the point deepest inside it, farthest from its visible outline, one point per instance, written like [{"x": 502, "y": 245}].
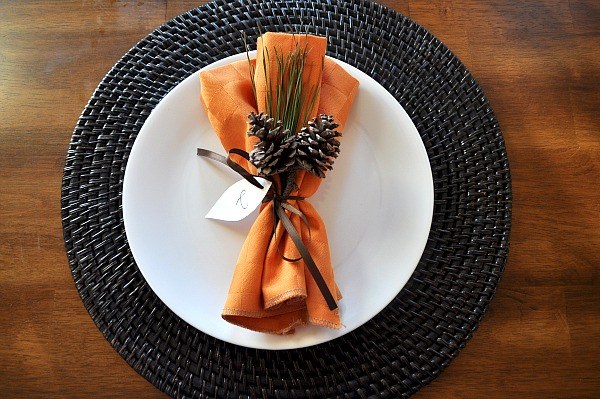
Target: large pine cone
[
  {"x": 317, "y": 145},
  {"x": 274, "y": 153}
]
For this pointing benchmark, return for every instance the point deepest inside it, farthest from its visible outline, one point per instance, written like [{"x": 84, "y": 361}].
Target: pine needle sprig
[{"x": 286, "y": 98}]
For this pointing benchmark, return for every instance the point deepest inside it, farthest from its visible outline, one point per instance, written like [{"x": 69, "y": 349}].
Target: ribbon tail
[
  {"x": 308, "y": 260},
  {"x": 296, "y": 211},
  {"x": 231, "y": 163}
]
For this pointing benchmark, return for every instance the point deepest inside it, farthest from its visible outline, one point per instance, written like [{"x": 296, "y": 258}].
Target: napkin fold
[{"x": 268, "y": 293}]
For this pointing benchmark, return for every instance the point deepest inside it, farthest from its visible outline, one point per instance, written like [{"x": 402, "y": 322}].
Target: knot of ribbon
[{"x": 280, "y": 206}]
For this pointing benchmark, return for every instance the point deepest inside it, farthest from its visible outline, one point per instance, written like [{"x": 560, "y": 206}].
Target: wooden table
[{"x": 539, "y": 64}]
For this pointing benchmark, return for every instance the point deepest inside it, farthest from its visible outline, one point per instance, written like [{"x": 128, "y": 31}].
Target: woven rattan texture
[{"x": 408, "y": 343}]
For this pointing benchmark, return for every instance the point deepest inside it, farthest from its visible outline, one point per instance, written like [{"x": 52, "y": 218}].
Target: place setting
[{"x": 287, "y": 200}]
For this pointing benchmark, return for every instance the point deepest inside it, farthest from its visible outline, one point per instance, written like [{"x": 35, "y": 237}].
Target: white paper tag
[{"x": 239, "y": 200}]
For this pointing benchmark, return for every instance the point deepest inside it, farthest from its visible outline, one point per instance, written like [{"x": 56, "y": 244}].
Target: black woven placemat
[{"x": 419, "y": 332}]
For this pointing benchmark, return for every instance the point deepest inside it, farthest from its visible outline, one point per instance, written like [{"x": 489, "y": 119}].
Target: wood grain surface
[{"x": 539, "y": 64}]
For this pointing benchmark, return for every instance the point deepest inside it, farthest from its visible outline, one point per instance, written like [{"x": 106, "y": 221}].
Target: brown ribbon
[
  {"x": 231, "y": 163},
  {"x": 280, "y": 205}
]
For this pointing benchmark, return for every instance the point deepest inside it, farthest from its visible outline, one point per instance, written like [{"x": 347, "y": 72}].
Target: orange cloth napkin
[{"x": 268, "y": 293}]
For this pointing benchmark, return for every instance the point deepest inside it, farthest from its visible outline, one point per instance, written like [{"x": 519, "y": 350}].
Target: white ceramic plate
[{"x": 377, "y": 205}]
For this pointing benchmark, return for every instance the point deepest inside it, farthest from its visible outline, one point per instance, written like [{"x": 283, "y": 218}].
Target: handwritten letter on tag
[{"x": 239, "y": 201}]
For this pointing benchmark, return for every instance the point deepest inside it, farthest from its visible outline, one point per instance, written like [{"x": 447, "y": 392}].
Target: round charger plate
[
  {"x": 376, "y": 203},
  {"x": 412, "y": 339}
]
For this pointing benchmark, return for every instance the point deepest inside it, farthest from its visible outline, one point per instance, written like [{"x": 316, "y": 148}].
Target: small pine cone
[
  {"x": 271, "y": 158},
  {"x": 266, "y": 128},
  {"x": 274, "y": 153},
  {"x": 318, "y": 146}
]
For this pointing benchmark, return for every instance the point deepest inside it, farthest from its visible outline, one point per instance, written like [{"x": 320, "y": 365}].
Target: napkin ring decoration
[{"x": 277, "y": 156}]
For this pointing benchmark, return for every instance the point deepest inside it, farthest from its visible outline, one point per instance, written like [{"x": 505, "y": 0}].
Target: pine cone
[
  {"x": 317, "y": 145},
  {"x": 265, "y": 128},
  {"x": 274, "y": 153}
]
